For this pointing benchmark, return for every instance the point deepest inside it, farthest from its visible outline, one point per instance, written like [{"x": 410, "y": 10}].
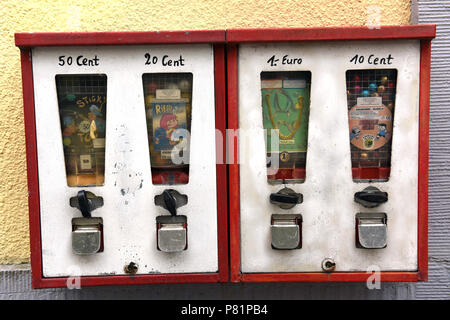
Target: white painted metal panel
[
  {"x": 328, "y": 209},
  {"x": 129, "y": 212}
]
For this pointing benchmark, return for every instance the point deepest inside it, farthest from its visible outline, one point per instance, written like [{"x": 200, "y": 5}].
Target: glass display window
[
  {"x": 371, "y": 106},
  {"x": 82, "y": 109}
]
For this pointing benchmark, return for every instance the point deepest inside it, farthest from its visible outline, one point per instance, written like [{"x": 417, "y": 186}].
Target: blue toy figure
[
  {"x": 100, "y": 124},
  {"x": 381, "y": 131},
  {"x": 356, "y": 131},
  {"x": 161, "y": 142}
]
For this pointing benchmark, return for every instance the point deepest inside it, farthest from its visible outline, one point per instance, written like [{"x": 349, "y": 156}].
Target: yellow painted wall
[{"x": 121, "y": 15}]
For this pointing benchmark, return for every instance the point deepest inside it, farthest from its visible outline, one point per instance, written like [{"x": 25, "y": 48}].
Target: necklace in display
[{"x": 297, "y": 123}]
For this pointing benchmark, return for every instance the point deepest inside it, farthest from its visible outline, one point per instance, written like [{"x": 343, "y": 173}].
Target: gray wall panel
[{"x": 437, "y": 287}]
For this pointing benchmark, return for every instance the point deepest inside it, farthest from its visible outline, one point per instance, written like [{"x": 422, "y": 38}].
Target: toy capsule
[
  {"x": 381, "y": 89},
  {"x": 372, "y": 87},
  {"x": 184, "y": 85},
  {"x": 70, "y": 97},
  {"x": 172, "y": 86},
  {"x": 151, "y": 87},
  {"x": 148, "y": 99},
  {"x": 384, "y": 80}
]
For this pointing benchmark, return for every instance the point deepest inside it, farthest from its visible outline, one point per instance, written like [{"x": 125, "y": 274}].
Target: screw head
[
  {"x": 131, "y": 268},
  {"x": 328, "y": 265}
]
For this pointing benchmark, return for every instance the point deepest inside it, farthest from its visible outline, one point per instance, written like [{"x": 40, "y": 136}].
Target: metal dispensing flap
[
  {"x": 172, "y": 238},
  {"x": 172, "y": 233},
  {"x": 372, "y": 230},
  {"x": 86, "y": 235},
  {"x": 285, "y": 231}
]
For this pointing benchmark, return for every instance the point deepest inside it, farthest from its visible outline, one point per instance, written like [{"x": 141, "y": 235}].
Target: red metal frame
[
  {"x": 45, "y": 39},
  {"x": 26, "y": 41},
  {"x": 425, "y": 33}
]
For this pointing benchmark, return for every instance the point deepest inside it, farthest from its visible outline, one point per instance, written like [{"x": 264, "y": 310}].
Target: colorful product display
[
  {"x": 168, "y": 113},
  {"x": 285, "y": 107},
  {"x": 82, "y": 107},
  {"x": 371, "y": 100}
]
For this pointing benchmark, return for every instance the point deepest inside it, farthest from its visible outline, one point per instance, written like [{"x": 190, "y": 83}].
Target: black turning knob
[
  {"x": 371, "y": 197},
  {"x": 286, "y": 198},
  {"x": 86, "y": 201},
  {"x": 170, "y": 200}
]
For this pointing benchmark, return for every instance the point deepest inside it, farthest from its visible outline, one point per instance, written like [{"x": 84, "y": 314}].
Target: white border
[
  {"x": 328, "y": 209},
  {"x": 129, "y": 220}
]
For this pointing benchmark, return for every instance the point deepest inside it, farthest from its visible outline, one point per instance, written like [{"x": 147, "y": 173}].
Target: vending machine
[
  {"x": 126, "y": 174},
  {"x": 328, "y": 153}
]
